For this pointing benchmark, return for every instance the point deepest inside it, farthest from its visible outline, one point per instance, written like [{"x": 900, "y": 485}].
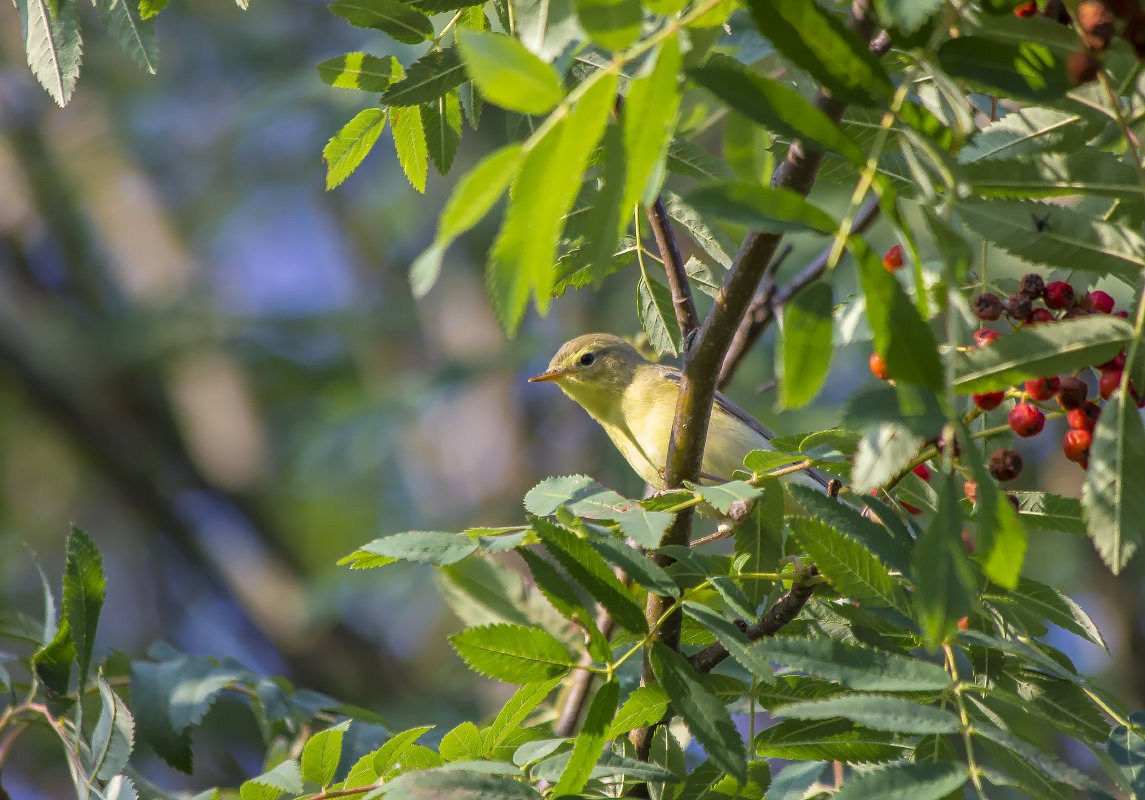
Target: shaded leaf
[
  {"x": 1114, "y": 504},
  {"x": 764, "y": 208},
  {"x": 391, "y": 17},
  {"x": 856, "y": 666},
  {"x": 135, "y": 34},
  {"x": 442, "y": 122},
  {"x": 881, "y": 712},
  {"x": 825, "y": 740},
  {"x": 427, "y": 79},
  {"x": 657, "y": 315},
  {"x": 926, "y": 781},
  {"x": 84, "y": 589}
]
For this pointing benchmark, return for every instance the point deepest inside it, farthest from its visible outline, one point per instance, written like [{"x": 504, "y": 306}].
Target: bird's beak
[{"x": 551, "y": 375}]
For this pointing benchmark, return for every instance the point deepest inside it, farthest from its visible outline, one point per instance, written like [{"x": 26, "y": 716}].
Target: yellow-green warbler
[{"x": 635, "y": 401}]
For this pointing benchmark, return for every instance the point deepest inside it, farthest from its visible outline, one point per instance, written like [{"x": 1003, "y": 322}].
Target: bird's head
[{"x": 593, "y": 367}]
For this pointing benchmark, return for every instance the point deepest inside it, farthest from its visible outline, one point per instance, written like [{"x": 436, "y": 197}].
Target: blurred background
[{"x": 217, "y": 369}]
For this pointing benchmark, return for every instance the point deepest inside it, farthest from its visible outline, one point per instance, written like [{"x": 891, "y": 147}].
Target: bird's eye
[{"x": 587, "y": 359}]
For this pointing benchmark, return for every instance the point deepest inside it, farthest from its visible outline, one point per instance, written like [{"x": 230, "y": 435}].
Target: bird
[{"x": 634, "y": 400}]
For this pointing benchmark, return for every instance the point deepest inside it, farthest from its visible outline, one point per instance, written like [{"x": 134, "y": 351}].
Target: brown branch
[
  {"x": 577, "y": 696},
  {"x": 704, "y": 359},
  {"x": 786, "y": 608},
  {"x": 769, "y": 299},
  {"x": 686, "y": 315}
]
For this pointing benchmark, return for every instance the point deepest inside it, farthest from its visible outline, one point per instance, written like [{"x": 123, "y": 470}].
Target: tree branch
[
  {"x": 704, "y": 359},
  {"x": 786, "y": 608},
  {"x": 769, "y": 300},
  {"x": 576, "y": 697},
  {"x": 686, "y": 314}
]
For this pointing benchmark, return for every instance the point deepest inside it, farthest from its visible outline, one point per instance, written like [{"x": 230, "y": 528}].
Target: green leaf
[
  {"x": 585, "y": 498},
  {"x": 347, "y": 148},
  {"x": 458, "y": 785},
  {"x": 901, "y": 336},
  {"x": 421, "y": 547},
  {"x": 135, "y": 35},
  {"x": 1029, "y": 131},
  {"x": 649, "y": 118},
  {"x": 442, "y": 121},
  {"x": 563, "y": 597},
  {"x": 1052, "y": 765},
  {"x": 427, "y": 79},
  {"x": 693, "y": 161},
  {"x": 846, "y": 564},
  {"x": 1057, "y": 236},
  {"x": 926, "y": 781},
  {"x": 149, "y": 698},
  {"x": 358, "y": 71},
  {"x": 721, "y": 496},
  {"x": 764, "y": 208},
  {"x": 149, "y": 8},
  {"x": 637, "y": 565},
  {"x": 748, "y": 654},
  {"x": 654, "y": 303},
  {"x": 590, "y": 741},
  {"x": 757, "y": 541},
  {"x": 409, "y": 142},
  {"x": 523, "y": 255},
  {"x": 84, "y": 589},
  {"x": 906, "y": 15},
  {"x": 1087, "y": 172},
  {"x": 1050, "y": 512},
  {"x": 881, "y": 712},
  {"x": 713, "y": 241},
  {"x": 645, "y": 706},
  {"x": 53, "y": 45},
  {"x": 774, "y": 106},
  {"x": 512, "y": 653},
  {"x": 803, "y": 356},
  {"x": 944, "y": 583},
  {"x": 463, "y": 742},
  {"x": 882, "y": 454},
  {"x": 390, "y": 754},
  {"x": 286, "y": 777},
  {"x": 114, "y": 734},
  {"x": 508, "y": 74},
  {"x": 1114, "y": 503},
  {"x": 826, "y": 740},
  {"x": 391, "y": 17},
  {"x": 1052, "y": 606},
  {"x": 855, "y": 665},
  {"x": 703, "y": 712},
  {"x": 593, "y": 573},
  {"x": 472, "y": 198},
  {"x": 614, "y": 24},
  {"x": 441, "y": 6},
  {"x": 607, "y": 216},
  {"x": 322, "y": 753},
  {"x": 523, "y": 702},
  {"x": 817, "y": 41},
  {"x": 1126, "y": 747},
  {"x": 892, "y": 550},
  {"x": 1052, "y": 348},
  {"x": 1026, "y": 71}
]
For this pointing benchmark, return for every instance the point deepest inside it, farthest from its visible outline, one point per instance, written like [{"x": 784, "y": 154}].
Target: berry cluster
[
  {"x": 1098, "y": 21},
  {"x": 1034, "y": 303}
]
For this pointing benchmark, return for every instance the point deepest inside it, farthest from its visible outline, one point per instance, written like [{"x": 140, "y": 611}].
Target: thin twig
[
  {"x": 685, "y": 306},
  {"x": 769, "y": 300},
  {"x": 786, "y": 608}
]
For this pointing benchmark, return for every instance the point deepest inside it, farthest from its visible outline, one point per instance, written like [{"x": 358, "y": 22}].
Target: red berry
[
  {"x": 1108, "y": 383},
  {"x": 970, "y": 489},
  {"x": 1005, "y": 464},
  {"x": 893, "y": 259},
  {"x": 1084, "y": 418},
  {"x": 910, "y": 509},
  {"x": 1026, "y": 420},
  {"x": 1122, "y": 314},
  {"x": 984, "y": 336},
  {"x": 1072, "y": 393},
  {"x": 879, "y": 367},
  {"x": 1042, "y": 388},
  {"x": 1059, "y": 294},
  {"x": 922, "y": 471},
  {"x": 1026, "y": 9},
  {"x": 1101, "y": 302},
  {"x": 1076, "y": 444},
  {"x": 1113, "y": 363},
  {"x": 1039, "y": 315},
  {"x": 989, "y": 401},
  {"x": 963, "y": 624}
]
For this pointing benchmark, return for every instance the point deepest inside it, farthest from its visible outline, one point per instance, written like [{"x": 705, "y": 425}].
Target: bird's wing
[{"x": 744, "y": 416}]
